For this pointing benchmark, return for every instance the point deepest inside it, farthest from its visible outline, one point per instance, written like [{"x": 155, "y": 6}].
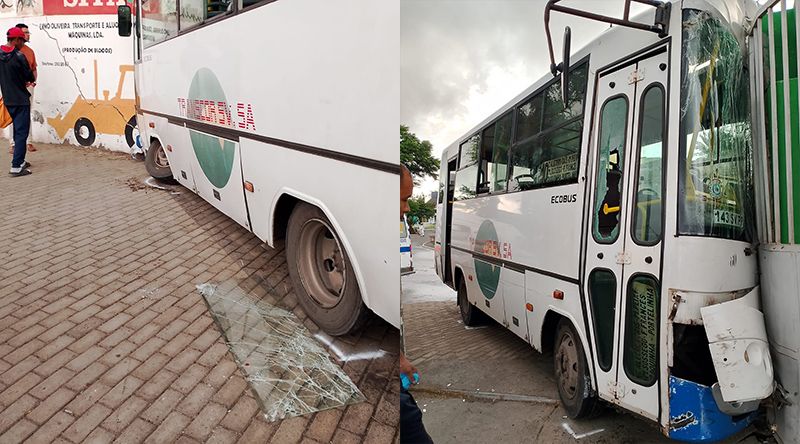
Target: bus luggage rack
[{"x": 660, "y": 24}]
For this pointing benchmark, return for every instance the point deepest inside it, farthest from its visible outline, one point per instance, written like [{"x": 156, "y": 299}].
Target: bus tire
[
  {"x": 572, "y": 373},
  {"x": 470, "y": 314},
  {"x": 322, "y": 273},
  {"x": 156, "y": 162}
]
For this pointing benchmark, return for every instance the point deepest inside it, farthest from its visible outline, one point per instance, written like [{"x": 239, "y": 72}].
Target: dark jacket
[{"x": 14, "y": 75}]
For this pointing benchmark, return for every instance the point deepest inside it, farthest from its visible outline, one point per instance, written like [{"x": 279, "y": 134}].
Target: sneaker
[
  {"x": 25, "y": 164},
  {"x": 20, "y": 173}
]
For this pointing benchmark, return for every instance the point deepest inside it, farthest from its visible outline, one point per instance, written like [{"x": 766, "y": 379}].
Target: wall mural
[
  {"x": 87, "y": 117},
  {"x": 20, "y": 8},
  {"x": 84, "y": 93}
]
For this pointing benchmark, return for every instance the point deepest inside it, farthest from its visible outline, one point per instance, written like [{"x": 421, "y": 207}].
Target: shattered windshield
[{"x": 716, "y": 160}]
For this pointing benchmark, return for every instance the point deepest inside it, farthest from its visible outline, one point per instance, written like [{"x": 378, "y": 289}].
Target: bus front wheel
[
  {"x": 470, "y": 314},
  {"x": 156, "y": 162},
  {"x": 321, "y": 272},
  {"x": 572, "y": 373}
]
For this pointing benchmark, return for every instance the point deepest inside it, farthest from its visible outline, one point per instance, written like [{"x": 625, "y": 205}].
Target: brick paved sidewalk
[{"x": 103, "y": 336}]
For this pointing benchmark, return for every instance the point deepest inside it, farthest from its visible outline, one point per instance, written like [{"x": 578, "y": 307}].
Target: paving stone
[{"x": 111, "y": 340}]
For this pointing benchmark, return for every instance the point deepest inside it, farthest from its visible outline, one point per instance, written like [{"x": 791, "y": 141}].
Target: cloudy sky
[{"x": 461, "y": 60}]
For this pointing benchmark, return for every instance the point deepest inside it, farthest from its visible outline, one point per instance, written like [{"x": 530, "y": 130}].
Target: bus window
[
  {"x": 485, "y": 162},
  {"x": 548, "y": 159},
  {"x": 603, "y": 294},
  {"x": 716, "y": 153},
  {"x": 554, "y": 111},
  {"x": 611, "y": 152},
  {"x": 640, "y": 357},
  {"x": 248, "y": 3},
  {"x": 529, "y": 118},
  {"x": 467, "y": 175},
  {"x": 648, "y": 203},
  {"x": 548, "y": 135},
  {"x": 194, "y": 12},
  {"x": 159, "y": 21},
  {"x": 502, "y": 140},
  {"x": 494, "y": 156}
]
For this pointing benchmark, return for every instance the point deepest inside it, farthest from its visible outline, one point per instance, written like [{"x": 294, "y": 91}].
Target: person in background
[
  {"x": 412, "y": 430},
  {"x": 15, "y": 74},
  {"x": 31, "y": 58}
]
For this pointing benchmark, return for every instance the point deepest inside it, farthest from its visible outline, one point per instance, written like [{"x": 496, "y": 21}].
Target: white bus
[
  {"x": 614, "y": 223},
  {"x": 283, "y": 115}
]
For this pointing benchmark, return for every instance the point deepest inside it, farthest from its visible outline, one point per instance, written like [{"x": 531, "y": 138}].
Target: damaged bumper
[{"x": 737, "y": 339}]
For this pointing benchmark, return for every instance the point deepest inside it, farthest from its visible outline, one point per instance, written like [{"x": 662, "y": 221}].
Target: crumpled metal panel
[
  {"x": 737, "y": 338},
  {"x": 290, "y": 373}
]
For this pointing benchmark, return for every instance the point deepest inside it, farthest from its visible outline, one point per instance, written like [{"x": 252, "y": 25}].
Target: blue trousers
[
  {"x": 21, "y": 115},
  {"x": 412, "y": 431}
]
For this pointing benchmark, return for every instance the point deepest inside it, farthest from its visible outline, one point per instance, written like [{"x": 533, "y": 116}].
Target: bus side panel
[
  {"x": 514, "y": 302},
  {"x": 370, "y": 237},
  {"x": 539, "y": 293},
  {"x": 489, "y": 289},
  {"x": 463, "y": 261},
  {"x": 217, "y": 180},
  {"x": 180, "y": 158},
  {"x": 537, "y": 228}
]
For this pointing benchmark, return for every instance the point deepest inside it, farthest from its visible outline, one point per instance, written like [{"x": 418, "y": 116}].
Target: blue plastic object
[
  {"x": 405, "y": 382},
  {"x": 695, "y": 417}
]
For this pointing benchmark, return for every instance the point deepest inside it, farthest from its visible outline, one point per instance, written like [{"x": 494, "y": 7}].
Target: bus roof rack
[{"x": 659, "y": 26}]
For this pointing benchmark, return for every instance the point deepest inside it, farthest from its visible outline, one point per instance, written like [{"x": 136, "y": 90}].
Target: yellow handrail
[{"x": 690, "y": 191}]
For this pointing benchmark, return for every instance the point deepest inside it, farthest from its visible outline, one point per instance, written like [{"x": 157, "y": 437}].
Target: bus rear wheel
[
  {"x": 321, "y": 272},
  {"x": 156, "y": 162},
  {"x": 470, "y": 314},
  {"x": 572, "y": 373}
]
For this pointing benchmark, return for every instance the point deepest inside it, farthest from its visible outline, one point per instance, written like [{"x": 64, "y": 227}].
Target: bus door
[
  {"x": 447, "y": 266},
  {"x": 217, "y": 171},
  {"x": 623, "y": 257}
]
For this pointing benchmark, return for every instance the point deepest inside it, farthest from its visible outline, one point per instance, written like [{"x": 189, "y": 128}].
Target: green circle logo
[
  {"x": 214, "y": 154},
  {"x": 488, "y": 274}
]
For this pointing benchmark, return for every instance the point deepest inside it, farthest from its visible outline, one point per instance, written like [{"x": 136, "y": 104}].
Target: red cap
[{"x": 15, "y": 33}]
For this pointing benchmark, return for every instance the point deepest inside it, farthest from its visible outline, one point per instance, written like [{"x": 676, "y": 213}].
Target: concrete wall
[{"x": 84, "y": 93}]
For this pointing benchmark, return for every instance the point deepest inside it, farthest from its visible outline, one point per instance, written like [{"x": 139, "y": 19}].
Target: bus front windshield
[{"x": 716, "y": 155}]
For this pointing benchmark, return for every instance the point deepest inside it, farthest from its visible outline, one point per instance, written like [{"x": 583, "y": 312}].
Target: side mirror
[
  {"x": 565, "y": 67},
  {"x": 124, "y": 22}
]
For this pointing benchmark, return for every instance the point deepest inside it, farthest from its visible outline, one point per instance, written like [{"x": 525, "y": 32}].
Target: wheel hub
[
  {"x": 321, "y": 264},
  {"x": 161, "y": 158},
  {"x": 567, "y": 365}
]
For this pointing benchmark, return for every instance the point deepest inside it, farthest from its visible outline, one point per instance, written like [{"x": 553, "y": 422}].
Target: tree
[
  {"x": 420, "y": 208},
  {"x": 416, "y": 155}
]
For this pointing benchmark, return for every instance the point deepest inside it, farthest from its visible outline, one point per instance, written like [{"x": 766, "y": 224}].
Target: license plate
[{"x": 723, "y": 217}]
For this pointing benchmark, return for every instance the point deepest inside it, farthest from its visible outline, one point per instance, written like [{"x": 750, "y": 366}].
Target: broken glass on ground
[{"x": 290, "y": 373}]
